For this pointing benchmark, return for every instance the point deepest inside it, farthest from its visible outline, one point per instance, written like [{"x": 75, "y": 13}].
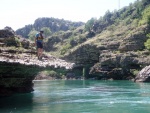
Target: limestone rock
[
  {"x": 143, "y": 75},
  {"x": 25, "y": 44},
  {"x": 19, "y": 66},
  {"x": 115, "y": 65},
  {"x": 134, "y": 42},
  {"x": 7, "y": 32}
]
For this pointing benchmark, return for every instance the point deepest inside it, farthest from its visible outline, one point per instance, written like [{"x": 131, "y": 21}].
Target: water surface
[{"x": 81, "y": 96}]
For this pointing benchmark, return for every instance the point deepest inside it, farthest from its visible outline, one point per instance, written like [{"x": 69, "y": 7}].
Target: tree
[
  {"x": 145, "y": 16},
  {"x": 145, "y": 2},
  {"x": 89, "y": 24},
  {"x": 47, "y": 31},
  {"x": 115, "y": 15},
  {"x": 32, "y": 34},
  {"x": 24, "y": 31},
  {"x": 107, "y": 17}
]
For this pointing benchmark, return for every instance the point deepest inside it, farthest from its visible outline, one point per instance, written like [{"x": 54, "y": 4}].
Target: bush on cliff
[
  {"x": 147, "y": 44},
  {"x": 12, "y": 41}
]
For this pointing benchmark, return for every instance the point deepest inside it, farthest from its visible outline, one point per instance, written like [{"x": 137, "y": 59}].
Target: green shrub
[
  {"x": 147, "y": 44},
  {"x": 32, "y": 34},
  {"x": 12, "y": 42},
  {"x": 148, "y": 35},
  {"x": 65, "y": 48},
  {"x": 145, "y": 16},
  {"x": 18, "y": 43},
  {"x": 81, "y": 39},
  {"x": 72, "y": 41},
  {"x": 52, "y": 73},
  {"x": 134, "y": 71}
]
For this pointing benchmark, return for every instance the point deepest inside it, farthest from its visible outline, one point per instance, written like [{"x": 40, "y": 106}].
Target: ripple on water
[{"x": 83, "y": 97}]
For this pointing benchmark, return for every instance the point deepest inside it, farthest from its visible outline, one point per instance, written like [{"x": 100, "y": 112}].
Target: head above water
[{"x": 41, "y": 31}]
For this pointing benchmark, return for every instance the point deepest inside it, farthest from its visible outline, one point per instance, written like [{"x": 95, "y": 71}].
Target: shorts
[{"x": 39, "y": 45}]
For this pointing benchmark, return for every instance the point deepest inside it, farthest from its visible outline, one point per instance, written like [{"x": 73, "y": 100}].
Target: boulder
[
  {"x": 143, "y": 75},
  {"x": 7, "y": 32},
  {"x": 25, "y": 44},
  {"x": 8, "y": 37}
]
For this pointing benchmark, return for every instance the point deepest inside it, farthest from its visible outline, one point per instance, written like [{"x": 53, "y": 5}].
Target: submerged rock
[{"x": 143, "y": 75}]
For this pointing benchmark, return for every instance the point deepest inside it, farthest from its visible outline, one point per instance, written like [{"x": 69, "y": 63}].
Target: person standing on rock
[{"x": 39, "y": 44}]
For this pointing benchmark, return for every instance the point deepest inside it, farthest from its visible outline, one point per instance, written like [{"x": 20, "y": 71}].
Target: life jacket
[{"x": 39, "y": 37}]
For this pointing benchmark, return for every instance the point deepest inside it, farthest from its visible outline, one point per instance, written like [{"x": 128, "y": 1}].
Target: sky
[{"x": 18, "y": 13}]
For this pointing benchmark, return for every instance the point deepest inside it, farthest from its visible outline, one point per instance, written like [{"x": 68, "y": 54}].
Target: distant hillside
[
  {"x": 116, "y": 24},
  {"x": 53, "y": 24},
  {"x": 113, "y": 45}
]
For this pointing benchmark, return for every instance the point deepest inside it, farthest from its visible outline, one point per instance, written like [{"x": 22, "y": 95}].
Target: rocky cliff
[
  {"x": 19, "y": 65},
  {"x": 117, "y": 55}
]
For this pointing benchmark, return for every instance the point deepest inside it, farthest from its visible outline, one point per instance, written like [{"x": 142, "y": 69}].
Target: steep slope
[
  {"x": 114, "y": 46},
  {"x": 118, "y": 49}
]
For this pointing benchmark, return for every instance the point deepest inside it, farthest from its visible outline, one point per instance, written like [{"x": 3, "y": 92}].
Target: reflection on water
[
  {"x": 81, "y": 96},
  {"x": 16, "y": 103}
]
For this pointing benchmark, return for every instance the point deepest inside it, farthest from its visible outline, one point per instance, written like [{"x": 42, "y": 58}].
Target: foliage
[
  {"x": 147, "y": 43},
  {"x": 52, "y": 73},
  {"x": 53, "y": 24},
  {"x": 58, "y": 73},
  {"x": 72, "y": 41},
  {"x": 65, "y": 49},
  {"x": 65, "y": 35},
  {"x": 148, "y": 35},
  {"x": 24, "y": 31},
  {"x": 47, "y": 31},
  {"x": 18, "y": 43},
  {"x": 14, "y": 41},
  {"x": 108, "y": 17},
  {"x": 89, "y": 24},
  {"x": 145, "y": 16},
  {"x": 32, "y": 35},
  {"x": 125, "y": 15},
  {"x": 145, "y": 2},
  {"x": 81, "y": 39},
  {"x": 148, "y": 20},
  {"x": 134, "y": 71}
]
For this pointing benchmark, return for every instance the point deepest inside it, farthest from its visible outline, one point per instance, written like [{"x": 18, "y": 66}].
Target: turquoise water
[{"x": 81, "y": 96}]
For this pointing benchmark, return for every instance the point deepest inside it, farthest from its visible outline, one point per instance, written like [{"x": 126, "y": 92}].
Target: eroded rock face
[
  {"x": 7, "y": 32},
  {"x": 16, "y": 78},
  {"x": 120, "y": 65},
  {"x": 19, "y": 64},
  {"x": 18, "y": 67},
  {"x": 143, "y": 75},
  {"x": 86, "y": 54},
  {"x": 134, "y": 42}
]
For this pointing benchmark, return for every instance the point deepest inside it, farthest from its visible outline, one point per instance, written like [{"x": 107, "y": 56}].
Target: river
[{"x": 81, "y": 96}]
